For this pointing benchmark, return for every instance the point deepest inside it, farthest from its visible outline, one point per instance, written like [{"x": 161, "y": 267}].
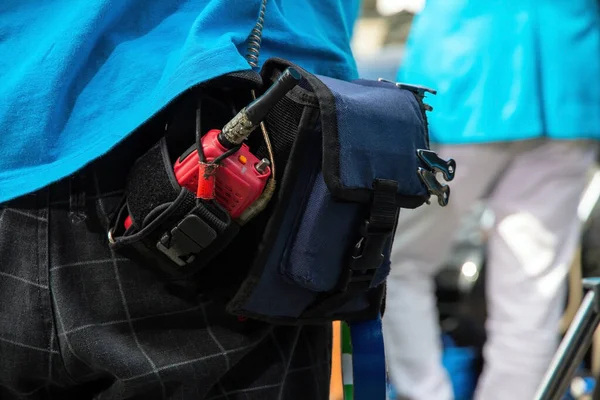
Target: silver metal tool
[
  {"x": 437, "y": 164},
  {"x": 434, "y": 187}
]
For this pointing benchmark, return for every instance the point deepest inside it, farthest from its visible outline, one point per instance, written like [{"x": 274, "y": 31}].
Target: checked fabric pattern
[{"x": 80, "y": 322}]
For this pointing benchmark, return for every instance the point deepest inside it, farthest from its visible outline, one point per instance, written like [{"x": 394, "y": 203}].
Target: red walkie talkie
[
  {"x": 226, "y": 170},
  {"x": 240, "y": 178}
]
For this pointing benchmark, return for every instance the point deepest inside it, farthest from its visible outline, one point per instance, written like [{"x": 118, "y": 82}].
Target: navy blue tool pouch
[{"x": 346, "y": 154}]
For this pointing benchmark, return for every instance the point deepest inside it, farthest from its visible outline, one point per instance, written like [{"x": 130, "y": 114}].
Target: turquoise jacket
[
  {"x": 508, "y": 69},
  {"x": 78, "y": 76}
]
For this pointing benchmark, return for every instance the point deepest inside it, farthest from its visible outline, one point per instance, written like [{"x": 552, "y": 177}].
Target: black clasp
[
  {"x": 437, "y": 164},
  {"x": 186, "y": 240},
  {"x": 367, "y": 257},
  {"x": 368, "y": 252}
]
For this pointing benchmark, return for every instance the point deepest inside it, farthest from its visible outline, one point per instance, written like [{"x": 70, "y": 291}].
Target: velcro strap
[
  {"x": 384, "y": 211},
  {"x": 151, "y": 182}
]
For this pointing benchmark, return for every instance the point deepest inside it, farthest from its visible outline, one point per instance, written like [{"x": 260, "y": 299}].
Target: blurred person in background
[{"x": 518, "y": 108}]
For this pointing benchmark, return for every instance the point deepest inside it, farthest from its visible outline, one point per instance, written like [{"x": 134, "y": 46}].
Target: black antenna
[
  {"x": 251, "y": 116},
  {"x": 258, "y": 109}
]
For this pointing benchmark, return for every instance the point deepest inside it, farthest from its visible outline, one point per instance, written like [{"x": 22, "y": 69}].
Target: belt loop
[{"x": 77, "y": 198}]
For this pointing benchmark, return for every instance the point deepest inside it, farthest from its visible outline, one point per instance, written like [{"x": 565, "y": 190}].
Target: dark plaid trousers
[{"x": 78, "y": 321}]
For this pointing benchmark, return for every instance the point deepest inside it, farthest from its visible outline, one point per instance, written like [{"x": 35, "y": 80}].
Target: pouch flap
[{"x": 371, "y": 130}]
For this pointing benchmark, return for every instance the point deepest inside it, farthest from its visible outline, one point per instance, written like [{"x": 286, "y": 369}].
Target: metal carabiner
[
  {"x": 442, "y": 192},
  {"x": 437, "y": 164}
]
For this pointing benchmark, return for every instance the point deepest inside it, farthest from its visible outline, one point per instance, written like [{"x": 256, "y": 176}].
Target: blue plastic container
[{"x": 460, "y": 364}]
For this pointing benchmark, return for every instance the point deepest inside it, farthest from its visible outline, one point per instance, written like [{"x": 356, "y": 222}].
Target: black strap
[
  {"x": 368, "y": 253},
  {"x": 151, "y": 182},
  {"x": 171, "y": 228},
  {"x": 384, "y": 212}
]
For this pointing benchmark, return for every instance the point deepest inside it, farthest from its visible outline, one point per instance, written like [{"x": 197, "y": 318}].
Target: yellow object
[
  {"x": 336, "y": 390},
  {"x": 242, "y": 159}
]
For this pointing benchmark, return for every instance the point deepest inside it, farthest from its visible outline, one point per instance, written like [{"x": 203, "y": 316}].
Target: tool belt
[{"x": 348, "y": 156}]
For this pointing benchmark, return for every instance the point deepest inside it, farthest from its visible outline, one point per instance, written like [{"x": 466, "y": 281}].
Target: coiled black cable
[{"x": 255, "y": 37}]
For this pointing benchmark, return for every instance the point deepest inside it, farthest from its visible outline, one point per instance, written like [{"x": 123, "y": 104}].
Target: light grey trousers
[{"x": 530, "y": 249}]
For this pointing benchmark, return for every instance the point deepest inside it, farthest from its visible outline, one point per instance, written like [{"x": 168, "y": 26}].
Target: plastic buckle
[
  {"x": 367, "y": 257},
  {"x": 186, "y": 240}
]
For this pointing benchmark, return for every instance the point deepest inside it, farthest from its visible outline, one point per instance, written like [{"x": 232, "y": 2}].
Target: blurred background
[
  {"x": 380, "y": 35},
  {"x": 378, "y": 45}
]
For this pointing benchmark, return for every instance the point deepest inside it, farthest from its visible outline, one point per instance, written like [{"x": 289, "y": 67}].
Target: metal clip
[
  {"x": 437, "y": 164},
  {"x": 418, "y": 90},
  {"x": 442, "y": 192}
]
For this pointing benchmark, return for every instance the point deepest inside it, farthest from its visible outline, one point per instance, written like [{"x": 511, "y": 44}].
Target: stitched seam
[
  {"x": 54, "y": 309},
  {"x": 289, "y": 362}
]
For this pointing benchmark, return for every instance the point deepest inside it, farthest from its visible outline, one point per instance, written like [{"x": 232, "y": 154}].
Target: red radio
[
  {"x": 240, "y": 178},
  {"x": 227, "y": 171}
]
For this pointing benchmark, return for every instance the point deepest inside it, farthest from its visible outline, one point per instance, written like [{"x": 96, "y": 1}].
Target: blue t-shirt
[
  {"x": 79, "y": 76},
  {"x": 508, "y": 70}
]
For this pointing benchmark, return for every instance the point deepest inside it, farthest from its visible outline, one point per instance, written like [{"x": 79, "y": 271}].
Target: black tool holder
[{"x": 574, "y": 345}]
